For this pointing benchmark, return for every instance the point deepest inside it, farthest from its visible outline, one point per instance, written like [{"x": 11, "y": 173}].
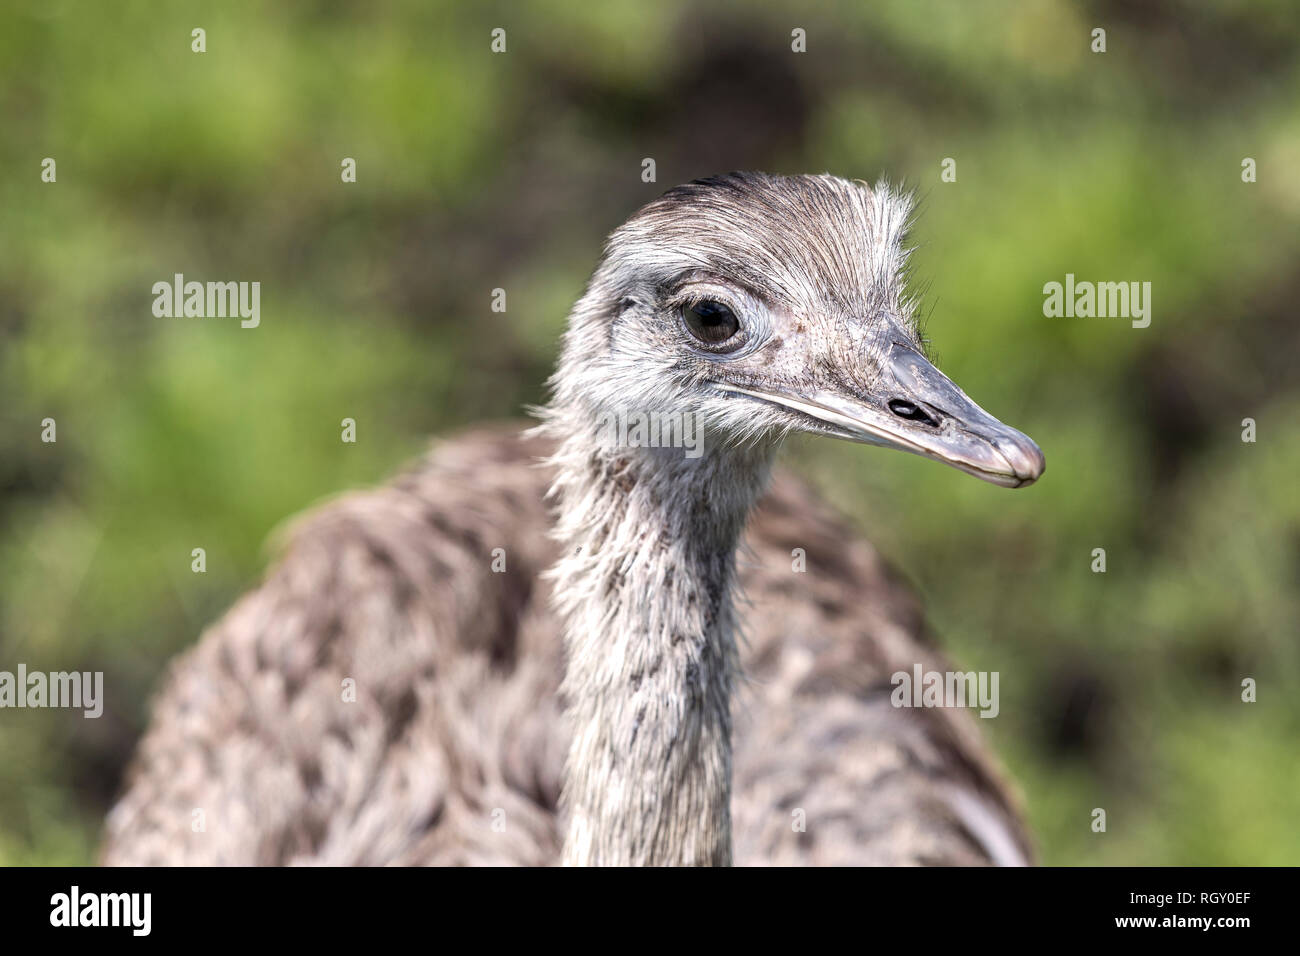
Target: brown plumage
[
  {"x": 392, "y": 694},
  {"x": 457, "y": 712}
]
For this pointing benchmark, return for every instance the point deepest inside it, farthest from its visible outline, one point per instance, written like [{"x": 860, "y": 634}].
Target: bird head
[{"x": 765, "y": 305}]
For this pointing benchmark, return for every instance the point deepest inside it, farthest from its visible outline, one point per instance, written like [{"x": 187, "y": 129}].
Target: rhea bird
[{"x": 386, "y": 696}]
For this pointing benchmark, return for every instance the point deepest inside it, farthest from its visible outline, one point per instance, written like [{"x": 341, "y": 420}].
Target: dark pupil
[{"x": 710, "y": 321}]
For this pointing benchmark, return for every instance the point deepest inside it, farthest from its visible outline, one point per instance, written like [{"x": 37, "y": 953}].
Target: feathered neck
[{"x": 644, "y": 587}]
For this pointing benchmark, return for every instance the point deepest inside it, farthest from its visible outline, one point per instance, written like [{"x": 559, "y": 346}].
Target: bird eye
[{"x": 710, "y": 322}]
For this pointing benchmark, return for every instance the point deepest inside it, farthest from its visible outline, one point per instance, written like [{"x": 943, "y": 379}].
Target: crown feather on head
[{"x": 796, "y": 239}]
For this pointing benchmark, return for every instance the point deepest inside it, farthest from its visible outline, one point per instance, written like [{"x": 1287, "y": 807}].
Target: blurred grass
[{"x": 478, "y": 171}]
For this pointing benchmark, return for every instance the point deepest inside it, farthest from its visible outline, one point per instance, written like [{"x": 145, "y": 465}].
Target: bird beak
[{"x": 916, "y": 408}]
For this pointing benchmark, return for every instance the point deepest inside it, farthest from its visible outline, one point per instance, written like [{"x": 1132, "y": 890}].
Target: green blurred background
[{"x": 476, "y": 171}]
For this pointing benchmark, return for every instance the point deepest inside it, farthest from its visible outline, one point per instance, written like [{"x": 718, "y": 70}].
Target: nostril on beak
[{"x": 910, "y": 411}]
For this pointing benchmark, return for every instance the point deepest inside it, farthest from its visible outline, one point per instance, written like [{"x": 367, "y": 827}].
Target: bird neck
[{"x": 645, "y": 589}]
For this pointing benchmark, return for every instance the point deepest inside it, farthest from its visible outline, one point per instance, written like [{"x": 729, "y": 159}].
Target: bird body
[
  {"x": 457, "y": 711},
  {"x": 389, "y": 695}
]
